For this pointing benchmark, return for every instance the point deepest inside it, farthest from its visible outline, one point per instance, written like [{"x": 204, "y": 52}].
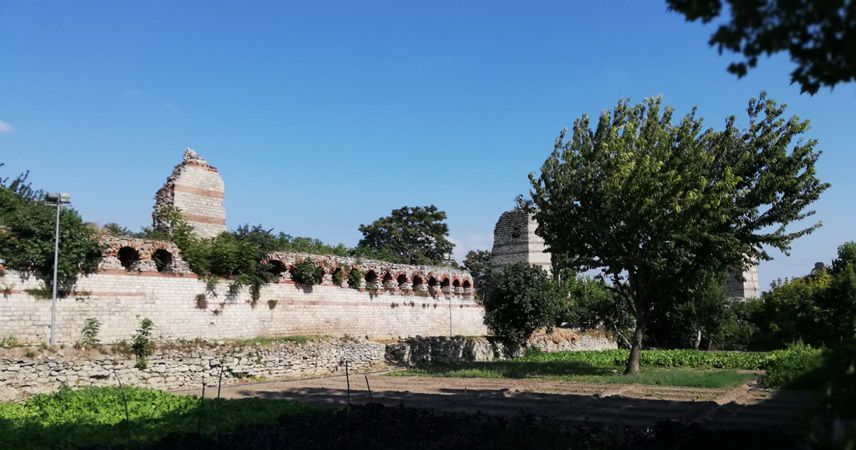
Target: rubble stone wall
[
  {"x": 22, "y": 375},
  {"x": 419, "y": 350}
]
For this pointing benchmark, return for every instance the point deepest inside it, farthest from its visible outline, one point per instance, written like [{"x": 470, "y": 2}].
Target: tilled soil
[{"x": 744, "y": 407}]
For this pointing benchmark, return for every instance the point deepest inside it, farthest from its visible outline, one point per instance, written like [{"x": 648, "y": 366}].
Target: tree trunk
[
  {"x": 635, "y": 349},
  {"x": 697, "y": 342}
]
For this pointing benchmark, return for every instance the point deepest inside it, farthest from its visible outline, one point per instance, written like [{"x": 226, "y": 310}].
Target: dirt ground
[{"x": 742, "y": 407}]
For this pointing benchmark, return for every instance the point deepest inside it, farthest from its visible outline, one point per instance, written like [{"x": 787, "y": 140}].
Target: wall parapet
[{"x": 434, "y": 281}]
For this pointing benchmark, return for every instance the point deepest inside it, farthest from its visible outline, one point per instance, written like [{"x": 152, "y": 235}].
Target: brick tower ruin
[
  {"x": 196, "y": 189},
  {"x": 514, "y": 241}
]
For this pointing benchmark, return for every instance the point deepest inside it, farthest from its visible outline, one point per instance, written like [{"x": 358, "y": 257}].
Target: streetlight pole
[{"x": 58, "y": 199}]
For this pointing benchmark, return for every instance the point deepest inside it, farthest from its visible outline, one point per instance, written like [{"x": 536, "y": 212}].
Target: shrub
[
  {"x": 141, "y": 343},
  {"x": 695, "y": 359},
  {"x": 89, "y": 333},
  {"x": 307, "y": 273},
  {"x": 201, "y": 301},
  {"x": 355, "y": 278},
  {"x": 522, "y": 299},
  {"x": 840, "y": 399},
  {"x": 798, "y": 366},
  {"x": 338, "y": 277}
]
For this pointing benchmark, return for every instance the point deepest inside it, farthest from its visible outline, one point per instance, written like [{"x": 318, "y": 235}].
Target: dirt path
[{"x": 631, "y": 405}]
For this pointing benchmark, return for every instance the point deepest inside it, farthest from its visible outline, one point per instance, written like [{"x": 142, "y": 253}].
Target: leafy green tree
[
  {"x": 522, "y": 299},
  {"x": 653, "y": 204},
  {"x": 839, "y": 300},
  {"x": 820, "y": 36},
  {"x": 477, "y": 262},
  {"x": 791, "y": 311},
  {"x": 413, "y": 235},
  {"x": 27, "y": 235}
]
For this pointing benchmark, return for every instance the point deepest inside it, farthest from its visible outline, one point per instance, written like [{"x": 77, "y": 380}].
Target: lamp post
[{"x": 58, "y": 199}]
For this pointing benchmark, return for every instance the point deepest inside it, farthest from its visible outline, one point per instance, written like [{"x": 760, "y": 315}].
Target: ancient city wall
[{"x": 120, "y": 299}]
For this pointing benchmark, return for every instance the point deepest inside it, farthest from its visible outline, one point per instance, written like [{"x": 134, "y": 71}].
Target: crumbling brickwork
[
  {"x": 196, "y": 189},
  {"x": 514, "y": 240}
]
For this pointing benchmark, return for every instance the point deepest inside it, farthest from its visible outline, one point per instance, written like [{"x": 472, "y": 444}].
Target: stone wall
[
  {"x": 415, "y": 351},
  {"x": 182, "y": 307},
  {"x": 22, "y": 375},
  {"x": 196, "y": 189}
]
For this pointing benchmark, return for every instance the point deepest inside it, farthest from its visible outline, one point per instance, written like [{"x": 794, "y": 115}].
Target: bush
[
  {"x": 694, "y": 359},
  {"x": 522, "y": 299},
  {"x": 307, "y": 273},
  {"x": 338, "y": 277},
  {"x": 840, "y": 399},
  {"x": 799, "y": 366},
  {"x": 142, "y": 345},
  {"x": 355, "y": 278},
  {"x": 89, "y": 333},
  {"x": 201, "y": 301}
]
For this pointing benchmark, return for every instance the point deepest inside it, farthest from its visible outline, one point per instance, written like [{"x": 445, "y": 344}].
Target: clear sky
[{"x": 322, "y": 116}]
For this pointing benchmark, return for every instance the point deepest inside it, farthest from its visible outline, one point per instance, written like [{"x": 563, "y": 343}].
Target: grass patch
[
  {"x": 585, "y": 373},
  {"x": 691, "y": 368},
  {"x": 96, "y": 417}
]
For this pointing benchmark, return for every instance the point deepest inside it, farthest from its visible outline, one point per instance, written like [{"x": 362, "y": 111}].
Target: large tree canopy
[
  {"x": 819, "y": 35},
  {"x": 27, "y": 236},
  {"x": 413, "y": 235},
  {"x": 655, "y": 203}
]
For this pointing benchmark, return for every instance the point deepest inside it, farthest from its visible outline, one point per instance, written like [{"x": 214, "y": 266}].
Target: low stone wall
[
  {"x": 23, "y": 374},
  {"x": 420, "y": 350}
]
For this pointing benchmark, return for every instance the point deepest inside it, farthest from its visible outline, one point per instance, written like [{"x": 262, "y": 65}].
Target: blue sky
[{"x": 322, "y": 116}]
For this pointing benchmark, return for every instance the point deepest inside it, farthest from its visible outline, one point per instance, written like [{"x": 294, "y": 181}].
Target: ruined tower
[
  {"x": 196, "y": 189},
  {"x": 745, "y": 285},
  {"x": 514, "y": 240}
]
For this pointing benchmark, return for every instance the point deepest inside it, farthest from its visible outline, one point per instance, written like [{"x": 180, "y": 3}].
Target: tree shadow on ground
[{"x": 519, "y": 369}]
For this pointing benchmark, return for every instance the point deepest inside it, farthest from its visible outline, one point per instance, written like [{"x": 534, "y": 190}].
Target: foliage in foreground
[
  {"x": 96, "y": 417},
  {"x": 815, "y": 34}
]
